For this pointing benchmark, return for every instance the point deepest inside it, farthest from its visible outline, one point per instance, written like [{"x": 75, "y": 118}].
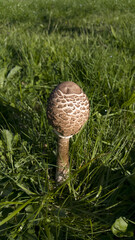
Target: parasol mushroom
[{"x": 67, "y": 112}]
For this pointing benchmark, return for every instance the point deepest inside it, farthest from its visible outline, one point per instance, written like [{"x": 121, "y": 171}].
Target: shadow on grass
[
  {"x": 65, "y": 26},
  {"x": 26, "y": 125},
  {"x": 15, "y": 120}
]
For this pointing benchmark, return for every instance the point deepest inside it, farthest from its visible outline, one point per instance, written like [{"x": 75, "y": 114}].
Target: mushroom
[{"x": 67, "y": 112}]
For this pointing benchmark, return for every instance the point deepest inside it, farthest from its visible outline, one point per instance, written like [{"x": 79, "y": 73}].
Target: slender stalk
[{"x": 62, "y": 169}]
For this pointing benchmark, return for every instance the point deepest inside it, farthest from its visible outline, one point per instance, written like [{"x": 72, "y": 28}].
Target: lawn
[{"x": 43, "y": 43}]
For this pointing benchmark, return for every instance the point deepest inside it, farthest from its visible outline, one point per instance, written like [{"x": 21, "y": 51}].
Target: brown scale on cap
[{"x": 67, "y": 112}]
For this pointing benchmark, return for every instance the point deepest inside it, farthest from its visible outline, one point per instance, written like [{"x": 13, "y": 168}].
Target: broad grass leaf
[
  {"x": 25, "y": 189},
  {"x": 13, "y": 71},
  {"x": 2, "y": 76},
  {"x": 113, "y": 32},
  {"x": 130, "y": 102},
  {"x": 121, "y": 228},
  {"x": 8, "y": 138}
]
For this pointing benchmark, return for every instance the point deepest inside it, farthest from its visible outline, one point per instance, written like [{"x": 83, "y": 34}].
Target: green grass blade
[{"x": 15, "y": 212}]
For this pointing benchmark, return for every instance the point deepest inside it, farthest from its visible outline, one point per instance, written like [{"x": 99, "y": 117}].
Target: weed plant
[{"x": 42, "y": 43}]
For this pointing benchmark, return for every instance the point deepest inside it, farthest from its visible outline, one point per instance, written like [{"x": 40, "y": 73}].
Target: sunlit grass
[{"x": 43, "y": 43}]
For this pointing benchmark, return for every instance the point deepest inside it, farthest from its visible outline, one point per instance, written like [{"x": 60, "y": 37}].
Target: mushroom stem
[{"x": 62, "y": 169}]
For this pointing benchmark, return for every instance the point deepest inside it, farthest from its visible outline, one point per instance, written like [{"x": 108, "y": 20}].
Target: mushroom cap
[{"x": 68, "y": 109}]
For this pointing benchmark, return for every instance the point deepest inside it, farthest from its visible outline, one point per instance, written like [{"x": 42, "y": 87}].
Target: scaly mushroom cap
[{"x": 68, "y": 108}]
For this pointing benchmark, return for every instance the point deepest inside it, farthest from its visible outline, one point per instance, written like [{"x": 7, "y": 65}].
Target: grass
[{"x": 43, "y": 43}]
